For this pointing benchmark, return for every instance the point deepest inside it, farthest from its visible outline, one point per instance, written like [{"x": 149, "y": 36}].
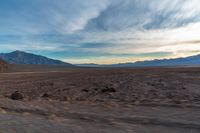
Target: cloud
[
  {"x": 99, "y": 31},
  {"x": 45, "y": 17},
  {"x": 145, "y": 14}
]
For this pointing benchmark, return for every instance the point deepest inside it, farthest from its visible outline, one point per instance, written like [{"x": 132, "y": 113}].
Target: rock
[
  {"x": 85, "y": 90},
  {"x": 45, "y": 95},
  {"x": 177, "y": 101},
  {"x": 108, "y": 89},
  {"x": 16, "y": 96}
]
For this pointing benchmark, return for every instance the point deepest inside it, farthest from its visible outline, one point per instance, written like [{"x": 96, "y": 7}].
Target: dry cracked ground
[{"x": 101, "y": 100}]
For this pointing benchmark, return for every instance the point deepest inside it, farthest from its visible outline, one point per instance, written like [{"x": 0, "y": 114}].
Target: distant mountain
[
  {"x": 88, "y": 65},
  {"x": 187, "y": 61},
  {"x": 20, "y": 57}
]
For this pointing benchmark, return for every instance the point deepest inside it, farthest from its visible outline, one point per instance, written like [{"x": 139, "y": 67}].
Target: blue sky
[{"x": 101, "y": 31}]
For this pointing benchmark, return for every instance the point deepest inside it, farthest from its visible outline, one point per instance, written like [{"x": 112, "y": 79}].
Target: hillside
[{"x": 20, "y": 57}]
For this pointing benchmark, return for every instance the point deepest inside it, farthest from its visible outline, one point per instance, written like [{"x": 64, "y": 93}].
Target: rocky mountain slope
[{"x": 20, "y": 57}]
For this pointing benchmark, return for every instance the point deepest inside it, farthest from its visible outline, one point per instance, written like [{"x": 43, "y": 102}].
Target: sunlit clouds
[{"x": 105, "y": 32}]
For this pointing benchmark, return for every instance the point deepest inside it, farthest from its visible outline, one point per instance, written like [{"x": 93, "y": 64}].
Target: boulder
[{"x": 16, "y": 96}]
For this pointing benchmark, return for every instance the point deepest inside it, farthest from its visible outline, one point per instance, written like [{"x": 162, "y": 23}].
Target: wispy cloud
[{"x": 101, "y": 31}]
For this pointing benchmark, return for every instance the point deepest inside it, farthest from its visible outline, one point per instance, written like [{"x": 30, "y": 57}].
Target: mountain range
[
  {"x": 187, "y": 61},
  {"x": 20, "y": 57}
]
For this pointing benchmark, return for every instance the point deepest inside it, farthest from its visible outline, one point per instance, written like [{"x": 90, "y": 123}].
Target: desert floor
[{"x": 101, "y": 100}]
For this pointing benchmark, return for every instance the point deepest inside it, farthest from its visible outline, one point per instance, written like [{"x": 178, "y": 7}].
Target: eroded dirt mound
[{"x": 3, "y": 66}]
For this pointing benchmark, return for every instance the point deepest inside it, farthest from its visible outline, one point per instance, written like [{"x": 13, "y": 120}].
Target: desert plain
[{"x": 100, "y": 100}]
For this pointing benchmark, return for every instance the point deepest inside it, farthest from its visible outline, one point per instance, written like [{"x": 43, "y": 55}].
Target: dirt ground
[{"x": 101, "y": 100}]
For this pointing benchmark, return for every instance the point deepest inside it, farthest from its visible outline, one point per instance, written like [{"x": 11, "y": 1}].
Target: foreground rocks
[{"x": 161, "y": 85}]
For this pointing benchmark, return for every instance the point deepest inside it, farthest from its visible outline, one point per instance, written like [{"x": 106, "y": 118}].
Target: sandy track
[{"x": 59, "y": 117}]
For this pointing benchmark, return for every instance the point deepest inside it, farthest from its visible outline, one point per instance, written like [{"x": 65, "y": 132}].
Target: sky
[{"x": 101, "y": 31}]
